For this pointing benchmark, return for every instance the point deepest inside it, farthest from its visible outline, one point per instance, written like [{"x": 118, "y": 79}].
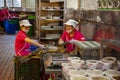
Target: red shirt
[
  {"x": 21, "y": 47},
  {"x": 66, "y": 38}
]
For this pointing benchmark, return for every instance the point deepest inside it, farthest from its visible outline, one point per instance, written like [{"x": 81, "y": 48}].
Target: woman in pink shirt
[
  {"x": 23, "y": 42},
  {"x": 71, "y": 34}
]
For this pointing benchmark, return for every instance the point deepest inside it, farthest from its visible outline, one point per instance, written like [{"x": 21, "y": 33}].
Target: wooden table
[{"x": 56, "y": 71}]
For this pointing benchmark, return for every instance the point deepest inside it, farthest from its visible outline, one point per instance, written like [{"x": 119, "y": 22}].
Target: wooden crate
[{"x": 30, "y": 70}]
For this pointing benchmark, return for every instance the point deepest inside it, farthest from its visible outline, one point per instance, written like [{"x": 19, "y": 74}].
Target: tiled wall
[{"x": 110, "y": 20}]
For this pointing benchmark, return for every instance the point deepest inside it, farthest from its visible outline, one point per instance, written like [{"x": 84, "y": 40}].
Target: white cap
[
  {"x": 72, "y": 23},
  {"x": 25, "y": 23}
]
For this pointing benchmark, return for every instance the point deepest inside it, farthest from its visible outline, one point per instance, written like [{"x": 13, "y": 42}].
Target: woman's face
[
  {"x": 69, "y": 28},
  {"x": 26, "y": 29}
]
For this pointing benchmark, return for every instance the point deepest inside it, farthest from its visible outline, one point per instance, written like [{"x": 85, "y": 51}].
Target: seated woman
[
  {"x": 23, "y": 42},
  {"x": 70, "y": 35}
]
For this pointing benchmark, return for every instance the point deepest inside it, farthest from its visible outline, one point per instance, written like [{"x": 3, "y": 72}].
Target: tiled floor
[{"x": 6, "y": 55}]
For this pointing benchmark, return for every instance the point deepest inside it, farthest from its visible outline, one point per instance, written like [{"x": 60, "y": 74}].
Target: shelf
[
  {"x": 52, "y": 9},
  {"x": 14, "y": 17},
  {"x": 21, "y": 9},
  {"x": 52, "y": 2},
  {"x": 44, "y": 38},
  {"x": 52, "y": 19},
  {"x": 50, "y": 29}
]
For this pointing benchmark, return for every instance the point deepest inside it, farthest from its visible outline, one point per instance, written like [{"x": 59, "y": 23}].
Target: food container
[
  {"x": 105, "y": 64},
  {"x": 77, "y": 72},
  {"x": 79, "y": 77},
  {"x": 49, "y": 17},
  {"x": 52, "y": 48},
  {"x": 56, "y": 7},
  {"x": 116, "y": 78},
  {"x": 77, "y": 64},
  {"x": 100, "y": 78},
  {"x": 73, "y": 58},
  {"x": 43, "y": 27},
  {"x": 43, "y": 17},
  {"x": 57, "y": 27},
  {"x": 44, "y": 7},
  {"x": 112, "y": 73},
  {"x": 56, "y": 17},
  {"x": 67, "y": 69},
  {"x": 50, "y": 7},
  {"x": 112, "y": 59},
  {"x": 92, "y": 64},
  {"x": 94, "y": 72},
  {"x": 65, "y": 65}
]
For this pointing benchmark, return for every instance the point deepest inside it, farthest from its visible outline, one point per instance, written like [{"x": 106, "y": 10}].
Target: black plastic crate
[{"x": 31, "y": 70}]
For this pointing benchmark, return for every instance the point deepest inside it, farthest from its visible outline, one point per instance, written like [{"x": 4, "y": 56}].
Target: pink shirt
[
  {"x": 66, "y": 38},
  {"x": 22, "y": 48}
]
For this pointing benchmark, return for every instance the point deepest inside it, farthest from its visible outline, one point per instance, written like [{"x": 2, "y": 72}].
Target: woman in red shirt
[
  {"x": 71, "y": 34},
  {"x": 22, "y": 42}
]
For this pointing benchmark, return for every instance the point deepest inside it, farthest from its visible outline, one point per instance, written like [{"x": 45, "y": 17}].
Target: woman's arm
[{"x": 33, "y": 42}]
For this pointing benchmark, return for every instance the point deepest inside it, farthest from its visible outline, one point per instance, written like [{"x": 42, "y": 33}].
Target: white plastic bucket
[
  {"x": 79, "y": 77},
  {"x": 64, "y": 65},
  {"x": 112, "y": 73},
  {"x": 77, "y": 72},
  {"x": 67, "y": 69},
  {"x": 100, "y": 78},
  {"x": 94, "y": 72},
  {"x": 111, "y": 59},
  {"x": 92, "y": 64},
  {"x": 73, "y": 58},
  {"x": 77, "y": 64},
  {"x": 105, "y": 64}
]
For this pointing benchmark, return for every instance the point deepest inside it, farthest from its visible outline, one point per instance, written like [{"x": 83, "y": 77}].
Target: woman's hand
[
  {"x": 60, "y": 42},
  {"x": 42, "y": 46},
  {"x": 72, "y": 41},
  {"x": 45, "y": 49}
]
